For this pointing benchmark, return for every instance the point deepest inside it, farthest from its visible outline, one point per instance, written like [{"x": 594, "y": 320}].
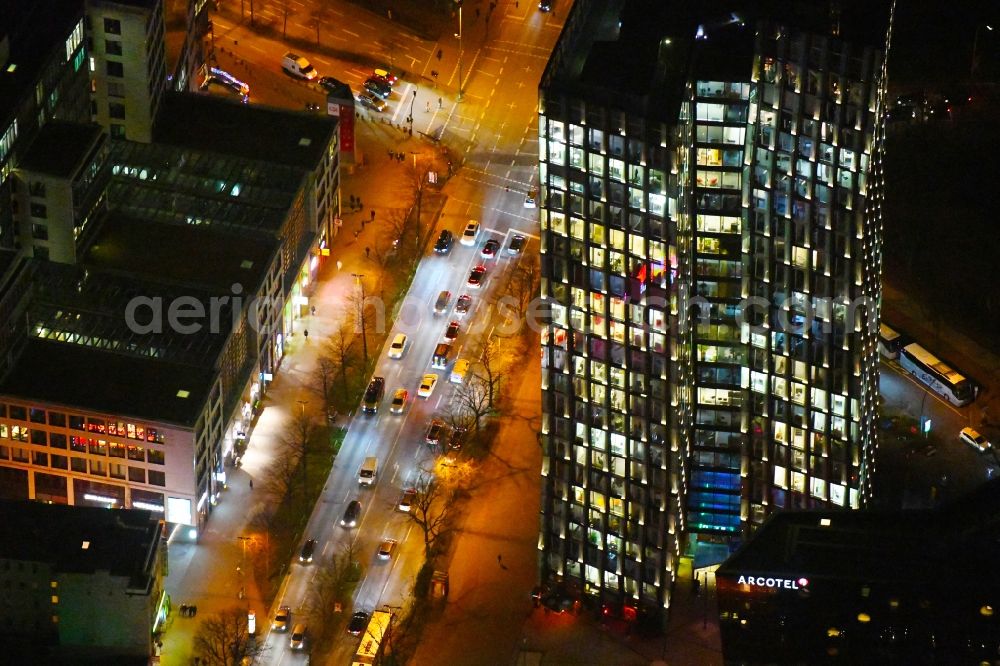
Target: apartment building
[{"x": 711, "y": 239}]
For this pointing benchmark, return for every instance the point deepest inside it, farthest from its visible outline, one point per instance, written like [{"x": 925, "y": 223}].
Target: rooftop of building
[
  {"x": 208, "y": 257},
  {"x": 93, "y": 379},
  {"x": 206, "y": 122},
  {"x": 638, "y": 54},
  {"x": 61, "y": 148},
  {"x": 29, "y": 33},
  {"x": 80, "y": 539},
  {"x": 876, "y": 544},
  {"x": 160, "y": 182}
]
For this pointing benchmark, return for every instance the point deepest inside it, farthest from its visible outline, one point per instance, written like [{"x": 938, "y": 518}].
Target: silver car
[{"x": 372, "y": 102}]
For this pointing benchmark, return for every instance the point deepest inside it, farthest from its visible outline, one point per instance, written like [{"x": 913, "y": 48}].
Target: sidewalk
[
  {"x": 494, "y": 557},
  {"x": 204, "y": 574}
]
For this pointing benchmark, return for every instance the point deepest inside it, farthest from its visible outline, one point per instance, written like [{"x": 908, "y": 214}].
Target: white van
[
  {"x": 298, "y": 66},
  {"x": 459, "y": 370},
  {"x": 368, "y": 471}
]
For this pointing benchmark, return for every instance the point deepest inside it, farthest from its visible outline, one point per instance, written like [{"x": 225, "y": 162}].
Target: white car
[
  {"x": 471, "y": 233},
  {"x": 427, "y": 385},
  {"x": 398, "y": 346},
  {"x": 974, "y": 439},
  {"x": 298, "y": 66},
  {"x": 399, "y": 401}
]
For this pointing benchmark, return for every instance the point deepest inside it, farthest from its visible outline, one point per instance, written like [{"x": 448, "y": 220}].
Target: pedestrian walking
[
  {"x": 182, "y": 609},
  {"x": 373, "y": 214},
  {"x": 440, "y": 54},
  {"x": 439, "y": 103},
  {"x": 251, "y": 484},
  {"x": 192, "y": 610},
  {"x": 500, "y": 559},
  {"x": 368, "y": 252},
  {"x": 306, "y": 334},
  {"x": 340, "y": 264},
  {"x": 427, "y": 107}
]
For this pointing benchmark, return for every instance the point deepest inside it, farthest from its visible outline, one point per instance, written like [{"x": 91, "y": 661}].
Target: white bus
[
  {"x": 889, "y": 342},
  {"x": 941, "y": 377}
]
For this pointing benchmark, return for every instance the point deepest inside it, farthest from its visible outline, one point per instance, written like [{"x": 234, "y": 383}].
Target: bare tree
[
  {"x": 431, "y": 510},
  {"x": 224, "y": 639},
  {"x": 418, "y": 181},
  {"x": 285, "y": 7},
  {"x": 332, "y": 587},
  {"x": 319, "y": 15},
  {"x": 473, "y": 398},
  {"x": 369, "y": 314},
  {"x": 493, "y": 360},
  {"x": 280, "y": 478},
  {"x": 523, "y": 284},
  {"x": 297, "y": 444},
  {"x": 339, "y": 355}
]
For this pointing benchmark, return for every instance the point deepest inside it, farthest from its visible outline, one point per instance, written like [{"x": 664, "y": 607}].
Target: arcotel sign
[{"x": 773, "y": 583}]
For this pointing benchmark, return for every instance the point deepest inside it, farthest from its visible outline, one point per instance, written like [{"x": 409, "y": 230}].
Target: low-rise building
[{"x": 80, "y": 582}]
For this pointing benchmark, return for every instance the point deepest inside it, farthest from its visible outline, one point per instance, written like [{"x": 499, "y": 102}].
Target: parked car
[
  {"x": 471, "y": 233},
  {"x": 434, "y": 432},
  {"x": 373, "y": 103},
  {"x": 427, "y": 385},
  {"x": 351, "y": 514},
  {"x": 306, "y": 555},
  {"x": 490, "y": 248},
  {"x": 406, "y": 500},
  {"x": 398, "y": 346},
  {"x": 399, "y": 401},
  {"x": 444, "y": 241},
  {"x": 516, "y": 244},
  {"x": 386, "y": 549},
  {"x": 282, "y": 617},
  {"x": 358, "y": 623},
  {"x": 476, "y": 277}
]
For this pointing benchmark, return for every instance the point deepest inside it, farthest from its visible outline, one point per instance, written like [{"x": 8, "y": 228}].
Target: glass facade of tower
[
  {"x": 612, "y": 498},
  {"x": 713, "y": 277}
]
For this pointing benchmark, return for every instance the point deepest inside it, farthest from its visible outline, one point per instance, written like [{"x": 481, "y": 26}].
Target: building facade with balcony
[{"x": 711, "y": 241}]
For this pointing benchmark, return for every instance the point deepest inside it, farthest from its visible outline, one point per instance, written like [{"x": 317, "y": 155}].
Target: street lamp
[
  {"x": 975, "y": 47},
  {"x": 410, "y": 119},
  {"x": 459, "y": 3},
  {"x": 361, "y": 316},
  {"x": 302, "y": 407}
]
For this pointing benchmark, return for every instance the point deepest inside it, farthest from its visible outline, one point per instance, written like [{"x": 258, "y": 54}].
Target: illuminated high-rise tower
[{"x": 711, "y": 236}]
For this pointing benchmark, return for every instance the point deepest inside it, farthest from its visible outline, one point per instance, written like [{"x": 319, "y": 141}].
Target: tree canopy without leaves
[
  {"x": 224, "y": 639},
  {"x": 431, "y": 510},
  {"x": 333, "y": 584}
]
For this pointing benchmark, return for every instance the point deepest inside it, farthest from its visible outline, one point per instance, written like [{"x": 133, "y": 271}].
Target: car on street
[
  {"x": 351, "y": 514},
  {"x": 282, "y": 617},
  {"x": 451, "y": 332},
  {"x": 297, "y": 641},
  {"x": 456, "y": 438},
  {"x": 306, "y": 555},
  {"x": 378, "y": 88},
  {"x": 459, "y": 371},
  {"x": 476, "y": 277},
  {"x": 357, "y": 624},
  {"x": 471, "y": 233},
  {"x": 427, "y": 385},
  {"x": 406, "y": 500},
  {"x": 442, "y": 302},
  {"x": 298, "y": 67},
  {"x": 386, "y": 74},
  {"x": 545, "y": 5},
  {"x": 330, "y": 84},
  {"x": 378, "y": 78},
  {"x": 399, "y": 401},
  {"x": 974, "y": 439},
  {"x": 434, "y": 432},
  {"x": 516, "y": 244},
  {"x": 386, "y": 549},
  {"x": 444, "y": 241},
  {"x": 490, "y": 248},
  {"x": 373, "y": 395},
  {"x": 530, "y": 201},
  {"x": 251, "y": 622},
  {"x": 463, "y": 304},
  {"x": 398, "y": 346},
  {"x": 373, "y": 103}
]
